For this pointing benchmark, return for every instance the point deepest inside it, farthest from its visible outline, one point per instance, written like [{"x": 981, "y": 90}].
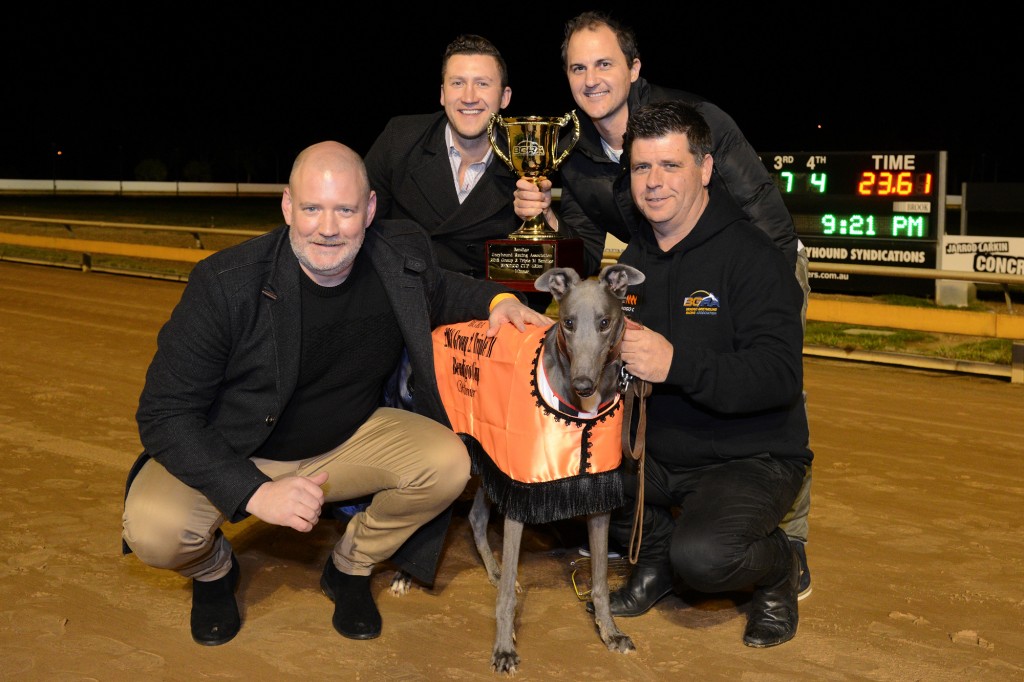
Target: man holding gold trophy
[{"x": 439, "y": 169}]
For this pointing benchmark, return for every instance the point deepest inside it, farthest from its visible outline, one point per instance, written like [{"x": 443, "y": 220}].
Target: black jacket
[
  {"x": 727, "y": 300},
  {"x": 595, "y": 190},
  {"x": 410, "y": 171}
]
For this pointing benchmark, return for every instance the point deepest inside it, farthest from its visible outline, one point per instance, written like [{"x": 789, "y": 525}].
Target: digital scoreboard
[{"x": 865, "y": 208}]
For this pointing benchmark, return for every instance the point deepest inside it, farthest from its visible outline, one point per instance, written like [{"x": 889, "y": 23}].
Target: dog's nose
[{"x": 584, "y": 387}]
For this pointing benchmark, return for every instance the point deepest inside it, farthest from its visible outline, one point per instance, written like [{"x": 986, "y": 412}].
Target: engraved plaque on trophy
[{"x": 532, "y": 153}]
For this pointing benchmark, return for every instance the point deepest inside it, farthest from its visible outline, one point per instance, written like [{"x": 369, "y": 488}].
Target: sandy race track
[{"x": 916, "y": 548}]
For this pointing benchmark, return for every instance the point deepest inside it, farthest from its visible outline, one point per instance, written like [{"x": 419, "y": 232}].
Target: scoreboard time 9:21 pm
[{"x": 868, "y": 208}]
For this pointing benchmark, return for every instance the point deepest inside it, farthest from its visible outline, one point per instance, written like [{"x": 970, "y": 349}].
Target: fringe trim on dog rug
[{"x": 546, "y": 501}]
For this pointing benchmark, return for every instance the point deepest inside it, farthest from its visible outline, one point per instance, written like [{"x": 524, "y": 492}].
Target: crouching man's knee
[
  {"x": 160, "y": 542},
  {"x": 449, "y": 467},
  {"x": 703, "y": 564},
  {"x": 165, "y": 523}
]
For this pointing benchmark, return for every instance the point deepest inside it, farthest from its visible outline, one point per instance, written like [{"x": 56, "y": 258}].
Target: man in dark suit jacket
[
  {"x": 439, "y": 169},
  {"x": 264, "y": 398}
]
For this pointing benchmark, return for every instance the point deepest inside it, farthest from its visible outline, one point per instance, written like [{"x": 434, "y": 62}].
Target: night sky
[{"x": 241, "y": 89}]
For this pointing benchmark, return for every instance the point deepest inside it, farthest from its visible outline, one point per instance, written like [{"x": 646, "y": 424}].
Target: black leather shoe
[
  {"x": 646, "y": 586},
  {"x": 355, "y": 614},
  {"x": 215, "y": 618},
  {"x": 773, "y": 610}
]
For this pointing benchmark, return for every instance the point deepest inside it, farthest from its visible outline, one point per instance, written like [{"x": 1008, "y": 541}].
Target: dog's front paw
[
  {"x": 401, "y": 583},
  {"x": 505, "y": 661},
  {"x": 620, "y": 642},
  {"x": 613, "y": 638}
]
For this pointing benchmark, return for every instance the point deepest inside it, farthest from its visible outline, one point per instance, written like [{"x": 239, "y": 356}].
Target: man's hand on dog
[
  {"x": 646, "y": 353},
  {"x": 294, "y": 501},
  {"x": 511, "y": 310}
]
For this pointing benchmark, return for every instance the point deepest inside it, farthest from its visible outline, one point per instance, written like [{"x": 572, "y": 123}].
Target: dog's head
[{"x": 589, "y": 329}]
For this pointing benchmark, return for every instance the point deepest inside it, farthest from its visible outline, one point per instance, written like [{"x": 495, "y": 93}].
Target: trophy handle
[
  {"x": 496, "y": 118},
  {"x": 575, "y": 136}
]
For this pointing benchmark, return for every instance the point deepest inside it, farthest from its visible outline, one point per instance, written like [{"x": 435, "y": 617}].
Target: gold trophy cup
[{"x": 532, "y": 153}]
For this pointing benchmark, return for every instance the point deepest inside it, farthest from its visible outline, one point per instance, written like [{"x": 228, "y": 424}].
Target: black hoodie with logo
[{"x": 726, "y": 298}]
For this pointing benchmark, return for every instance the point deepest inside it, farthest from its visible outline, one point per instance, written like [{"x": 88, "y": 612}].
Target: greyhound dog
[{"x": 542, "y": 418}]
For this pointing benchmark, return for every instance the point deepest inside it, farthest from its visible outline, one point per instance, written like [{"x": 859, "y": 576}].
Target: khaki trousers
[{"x": 413, "y": 467}]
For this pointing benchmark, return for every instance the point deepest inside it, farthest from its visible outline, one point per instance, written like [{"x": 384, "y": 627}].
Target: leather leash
[{"x": 633, "y": 390}]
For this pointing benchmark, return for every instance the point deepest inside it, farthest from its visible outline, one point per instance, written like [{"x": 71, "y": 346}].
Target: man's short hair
[
  {"x": 471, "y": 44},
  {"x": 594, "y": 20},
  {"x": 658, "y": 119}
]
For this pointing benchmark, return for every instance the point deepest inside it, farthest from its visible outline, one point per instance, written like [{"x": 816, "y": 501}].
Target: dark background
[{"x": 230, "y": 92}]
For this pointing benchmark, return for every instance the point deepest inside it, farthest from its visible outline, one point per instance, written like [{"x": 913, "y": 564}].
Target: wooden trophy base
[{"x": 516, "y": 263}]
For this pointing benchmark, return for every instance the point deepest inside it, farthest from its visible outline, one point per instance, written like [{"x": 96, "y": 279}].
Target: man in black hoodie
[
  {"x": 720, "y": 340},
  {"x": 602, "y": 64}
]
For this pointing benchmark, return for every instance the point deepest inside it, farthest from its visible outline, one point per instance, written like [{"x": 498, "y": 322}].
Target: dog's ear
[
  {"x": 557, "y": 281},
  {"x": 619, "y": 277}
]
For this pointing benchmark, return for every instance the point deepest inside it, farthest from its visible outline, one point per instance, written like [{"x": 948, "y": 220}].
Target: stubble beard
[{"x": 342, "y": 261}]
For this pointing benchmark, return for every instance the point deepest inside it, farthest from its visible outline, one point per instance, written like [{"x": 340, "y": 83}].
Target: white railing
[{"x": 99, "y": 187}]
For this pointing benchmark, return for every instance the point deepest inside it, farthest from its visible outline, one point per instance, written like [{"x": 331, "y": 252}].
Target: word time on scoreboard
[{"x": 865, "y": 208}]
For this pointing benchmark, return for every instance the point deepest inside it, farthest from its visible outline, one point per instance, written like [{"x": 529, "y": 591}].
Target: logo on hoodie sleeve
[{"x": 701, "y": 303}]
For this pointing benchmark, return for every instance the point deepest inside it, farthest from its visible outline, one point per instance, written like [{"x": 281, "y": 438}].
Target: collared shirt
[
  {"x": 613, "y": 154},
  {"x": 473, "y": 172}
]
